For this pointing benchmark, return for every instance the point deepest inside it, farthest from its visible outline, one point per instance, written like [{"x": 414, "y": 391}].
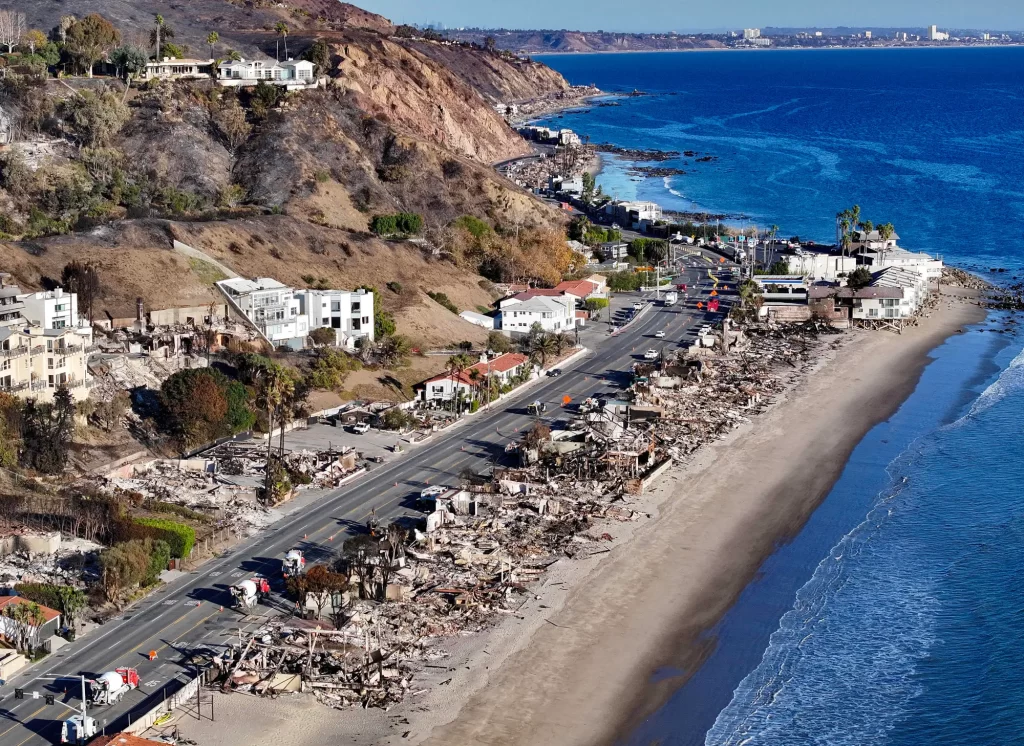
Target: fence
[{"x": 167, "y": 705}]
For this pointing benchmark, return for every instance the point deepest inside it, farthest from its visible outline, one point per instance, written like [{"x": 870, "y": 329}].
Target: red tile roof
[
  {"x": 579, "y": 288},
  {"x": 501, "y": 364},
  {"x": 48, "y": 613},
  {"x": 122, "y": 739},
  {"x": 537, "y": 292}
]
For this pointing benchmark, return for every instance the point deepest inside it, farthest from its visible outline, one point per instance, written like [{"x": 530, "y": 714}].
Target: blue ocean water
[{"x": 896, "y": 616}]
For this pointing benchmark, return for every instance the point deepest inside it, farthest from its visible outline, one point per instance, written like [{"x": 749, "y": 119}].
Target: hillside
[
  {"x": 550, "y": 41},
  {"x": 283, "y": 187}
]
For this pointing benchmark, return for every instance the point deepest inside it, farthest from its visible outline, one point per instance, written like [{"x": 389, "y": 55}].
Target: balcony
[
  {"x": 38, "y": 350},
  {"x": 91, "y": 349},
  {"x": 14, "y": 352},
  {"x": 65, "y": 350},
  {"x": 39, "y": 385},
  {"x": 15, "y": 387}
]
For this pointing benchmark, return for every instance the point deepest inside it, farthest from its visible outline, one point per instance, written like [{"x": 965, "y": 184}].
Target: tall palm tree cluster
[{"x": 848, "y": 222}]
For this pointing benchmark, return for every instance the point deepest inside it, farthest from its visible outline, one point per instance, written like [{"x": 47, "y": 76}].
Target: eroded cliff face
[{"x": 427, "y": 99}]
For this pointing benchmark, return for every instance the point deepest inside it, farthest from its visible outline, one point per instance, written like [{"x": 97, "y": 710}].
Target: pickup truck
[{"x": 360, "y": 428}]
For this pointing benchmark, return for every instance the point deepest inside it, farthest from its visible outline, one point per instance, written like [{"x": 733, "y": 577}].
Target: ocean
[{"x": 895, "y": 616}]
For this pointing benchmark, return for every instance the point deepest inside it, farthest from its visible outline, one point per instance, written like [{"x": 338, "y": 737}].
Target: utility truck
[
  {"x": 109, "y": 687},
  {"x": 248, "y": 593}
]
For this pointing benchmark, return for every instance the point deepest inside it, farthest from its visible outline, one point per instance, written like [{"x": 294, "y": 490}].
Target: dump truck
[
  {"x": 78, "y": 728},
  {"x": 294, "y": 563},
  {"x": 248, "y": 593},
  {"x": 109, "y": 687}
]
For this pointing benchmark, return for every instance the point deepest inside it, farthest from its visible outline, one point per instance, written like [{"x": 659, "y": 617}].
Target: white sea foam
[{"x": 1010, "y": 380}]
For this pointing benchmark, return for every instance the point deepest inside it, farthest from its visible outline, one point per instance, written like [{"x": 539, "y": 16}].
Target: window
[
  {"x": 50, "y": 381},
  {"x": 49, "y": 363},
  {"x": 335, "y": 306},
  {"x": 49, "y": 345},
  {"x": 355, "y": 307},
  {"x": 6, "y": 364}
]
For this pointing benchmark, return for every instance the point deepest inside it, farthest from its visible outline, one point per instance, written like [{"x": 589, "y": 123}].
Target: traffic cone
[
  {"x": 330, "y": 538},
  {"x": 220, "y": 609}
]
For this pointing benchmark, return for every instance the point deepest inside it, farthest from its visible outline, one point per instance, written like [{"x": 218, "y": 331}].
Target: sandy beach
[{"x": 575, "y": 665}]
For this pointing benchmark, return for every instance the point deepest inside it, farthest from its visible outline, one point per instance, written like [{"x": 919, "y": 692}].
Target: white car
[
  {"x": 660, "y": 334},
  {"x": 637, "y": 305},
  {"x": 360, "y": 428},
  {"x": 651, "y": 355}
]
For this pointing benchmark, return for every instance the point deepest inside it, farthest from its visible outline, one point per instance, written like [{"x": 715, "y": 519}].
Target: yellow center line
[
  {"x": 21, "y": 722},
  {"x": 33, "y": 735}
]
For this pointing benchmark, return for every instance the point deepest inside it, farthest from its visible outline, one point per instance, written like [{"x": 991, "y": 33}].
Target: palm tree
[
  {"x": 478, "y": 380},
  {"x": 543, "y": 346},
  {"x": 561, "y": 342},
  {"x": 212, "y": 38},
  {"x": 454, "y": 366},
  {"x": 885, "y": 232},
  {"x": 234, "y": 55},
  {"x": 286, "y": 390},
  {"x": 159, "y": 27},
  {"x": 282, "y": 28},
  {"x": 269, "y": 385}
]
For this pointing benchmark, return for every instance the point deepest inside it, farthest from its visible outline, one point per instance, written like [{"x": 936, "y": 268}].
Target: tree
[
  {"x": 859, "y": 278},
  {"x": 318, "y": 585},
  {"x": 109, "y": 413},
  {"x": 234, "y": 55},
  {"x": 320, "y": 55},
  {"x": 779, "y": 267},
  {"x": 329, "y": 368},
  {"x": 129, "y": 60},
  {"x": 89, "y": 38},
  {"x": 886, "y": 231},
  {"x": 12, "y": 26},
  {"x": 750, "y": 296},
  {"x": 47, "y": 430},
  {"x": 542, "y": 347},
  {"x": 33, "y": 39},
  {"x": 70, "y": 601},
  {"x": 323, "y": 336},
  {"x": 498, "y": 342},
  {"x": 96, "y": 118},
  {"x": 282, "y": 28},
  {"x": 195, "y": 405},
  {"x": 26, "y": 617},
  {"x": 578, "y": 228},
  {"x": 229, "y": 118},
  {"x": 82, "y": 278},
  {"x": 212, "y": 38},
  {"x": 392, "y": 349},
  {"x": 63, "y": 25},
  {"x": 160, "y": 31},
  {"x": 490, "y": 44},
  {"x": 593, "y": 305},
  {"x": 358, "y": 556},
  {"x": 588, "y": 187}
]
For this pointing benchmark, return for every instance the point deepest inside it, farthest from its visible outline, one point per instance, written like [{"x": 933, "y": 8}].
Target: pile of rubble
[
  {"x": 62, "y": 567},
  {"x": 403, "y": 589}
]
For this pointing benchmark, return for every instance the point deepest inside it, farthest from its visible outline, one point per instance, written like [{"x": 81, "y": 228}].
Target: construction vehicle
[
  {"x": 109, "y": 687},
  {"x": 671, "y": 297},
  {"x": 373, "y": 524},
  {"x": 590, "y": 404},
  {"x": 250, "y": 592},
  {"x": 294, "y": 563},
  {"x": 537, "y": 408}
]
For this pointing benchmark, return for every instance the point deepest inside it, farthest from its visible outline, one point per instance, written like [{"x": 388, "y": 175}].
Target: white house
[
  {"x": 634, "y": 214},
  {"x": 291, "y": 73},
  {"x": 171, "y": 68},
  {"x": 272, "y": 307},
  {"x": 554, "y": 313},
  {"x": 913, "y": 284},
  {"x": 502, "y": 369},
  {"x": 916, "y": 261},
  {"x": 819, "y": 266},
  {"x": 349, "y": 313}
]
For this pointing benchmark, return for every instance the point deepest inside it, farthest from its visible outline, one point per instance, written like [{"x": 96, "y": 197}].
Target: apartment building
[
  {"x": 349, "y": 313},
  {"x": 43, "y": 343},
  {"x": 272, "y": 307}
]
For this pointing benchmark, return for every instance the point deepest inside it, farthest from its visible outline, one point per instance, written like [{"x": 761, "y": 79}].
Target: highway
[{"x": 193, "y": 612}]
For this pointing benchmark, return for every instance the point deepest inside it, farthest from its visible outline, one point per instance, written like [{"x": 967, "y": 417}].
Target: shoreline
[
  {"x": 536, "y": 55},
  {"x": 584, "y": 674},
  {"x": 582, "y": 661}
]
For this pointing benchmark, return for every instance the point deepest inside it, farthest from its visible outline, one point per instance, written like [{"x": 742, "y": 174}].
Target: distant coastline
[{"x": 571, "y": 53}]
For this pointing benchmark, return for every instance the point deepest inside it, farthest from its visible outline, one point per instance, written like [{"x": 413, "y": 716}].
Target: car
[
  {"x": 637, "y": 305},
  {"x": 651, "y": 355},
  {"x": 554, "y": 372},
  {"x": 660, "y": 334},
  {"x": 360, "y": 428}
]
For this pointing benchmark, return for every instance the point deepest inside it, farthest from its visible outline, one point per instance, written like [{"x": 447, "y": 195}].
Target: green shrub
[
  {"x": 159, "y": 506},
  {"x": 444, "y": 300},
  {"x": 322, "y": 176},
  {"x": 179, "y": 537},
  {"x": 401, "y": 223},
  {"x": 474, "y": 226},
  {"x": 393, "y": 286},
  {"x": 46, "y": 594}
]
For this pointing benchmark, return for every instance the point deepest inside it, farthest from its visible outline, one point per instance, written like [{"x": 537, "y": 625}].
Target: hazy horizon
[{"x": 704, "y": 16}]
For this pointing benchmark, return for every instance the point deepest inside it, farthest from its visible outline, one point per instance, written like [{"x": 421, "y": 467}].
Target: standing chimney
[{"x": 140, "y": 310}]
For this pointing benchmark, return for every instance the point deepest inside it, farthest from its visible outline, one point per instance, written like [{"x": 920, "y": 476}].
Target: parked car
[
  {"x": 637, "y": 305},
  {"x": 360, "y": 428},
  {"x": 555, "y": 372},
  {"x": 651, "y": 355}
]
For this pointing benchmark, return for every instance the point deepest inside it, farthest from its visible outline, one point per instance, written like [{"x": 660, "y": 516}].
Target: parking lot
[{"x": 376, "y": 443}]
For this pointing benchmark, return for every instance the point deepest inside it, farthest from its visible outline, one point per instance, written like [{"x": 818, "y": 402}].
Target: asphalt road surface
[{"x": 193, "y": 613}]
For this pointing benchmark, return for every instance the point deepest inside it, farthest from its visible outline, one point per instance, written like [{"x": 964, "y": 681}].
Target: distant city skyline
[{"x": 703, "y": 15}]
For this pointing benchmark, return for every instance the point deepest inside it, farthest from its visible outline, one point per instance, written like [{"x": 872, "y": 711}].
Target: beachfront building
[
  {"x": 935, "y": 35},
  {"x": 633, "y": 214},
  {"x": 916, "y": 261},
  {"x": 292, "y": 74},
  {"x": 818, "y": 266},
  {"x": 751, "y": 33},
  {"x": 348, "y": 313},
  {"x": 915, "y": 286},
  {"x": 501, "y": 371},
  {"x": 271, "y": 307},
  {"x": 172, "y": 68}
]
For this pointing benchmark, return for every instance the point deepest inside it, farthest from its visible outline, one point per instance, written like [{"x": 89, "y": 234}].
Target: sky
[{"x": 698, "y": 15}]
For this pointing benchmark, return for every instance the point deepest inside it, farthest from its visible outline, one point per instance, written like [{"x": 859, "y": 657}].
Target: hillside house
[
  {"x": 292, "y": 74},
  {"x": 272, "y": 307},
  {"x": 349, "y": 313},
  {"x": 171, "y": 68},
  {"x": 12, "y": 630}
]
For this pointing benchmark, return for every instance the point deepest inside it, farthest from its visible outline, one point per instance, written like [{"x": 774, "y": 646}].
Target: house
[
  {"x": 582, "y": 289},
  {"x": 481, "y": 320},
  {"x": 552, "y": 313},
  {"x": 914, "y": 285},
  {"x": 872, "y": 240},
  {"x": 272, "y": 307},
  {"x": 614, "y": 250},
  {"x": 43, "y": 344},
  {"x": 501, "y": 370},
  {"x": 568, "y": 137},
  {"x": 349, "y": 313},
  {"x": 566, "y": 184},
  {"x": 872, "y": 303},
  {"x": 13, "y": 630},
  {"x": 171, "y": 68},
  {"x": 819, "y": 266},
  {"x": 916, "y": 261},
  {"x": 782, "y": 288},
  {"x": 292, "y": 74},
  {"x": 634, "y": 214},
  {"x": 124, "y": 739}
]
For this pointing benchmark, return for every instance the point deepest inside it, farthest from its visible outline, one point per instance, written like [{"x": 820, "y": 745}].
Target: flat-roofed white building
[
  {"x": 172, "y": 68},
  {"x": 290, "y": 74},
  {"x": 348, "y": 313},
  {"x": 272, "y": 307}
]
